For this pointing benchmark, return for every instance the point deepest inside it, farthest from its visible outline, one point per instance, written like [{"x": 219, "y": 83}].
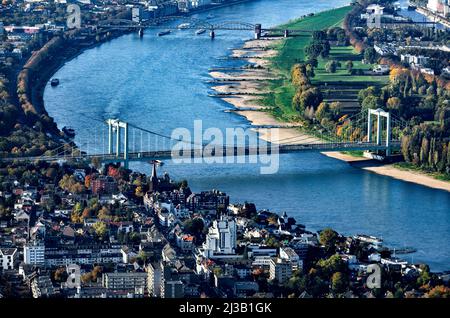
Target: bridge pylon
[
  {"x": 380, "y": 114},
  {"x": 257, "y": 31},
  {"x": 114, "y": 127}
]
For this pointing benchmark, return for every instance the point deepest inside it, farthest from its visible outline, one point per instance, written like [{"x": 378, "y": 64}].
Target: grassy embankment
[{"x": 291, "y": 51}]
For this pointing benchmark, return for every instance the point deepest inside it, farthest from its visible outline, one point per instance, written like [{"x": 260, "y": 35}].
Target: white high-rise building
[
  {"x": 34, "y": 253},
  {"x": 221, "y": 239}
]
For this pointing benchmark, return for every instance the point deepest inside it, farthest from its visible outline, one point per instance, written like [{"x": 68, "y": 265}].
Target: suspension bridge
[{"x": 116, "y": 141}]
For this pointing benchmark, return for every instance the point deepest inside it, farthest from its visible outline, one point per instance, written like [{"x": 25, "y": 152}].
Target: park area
[{"x": 340, "y": 85}]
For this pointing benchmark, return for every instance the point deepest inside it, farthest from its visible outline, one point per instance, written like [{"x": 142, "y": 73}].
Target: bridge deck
[{"x": 225, "y": 152}]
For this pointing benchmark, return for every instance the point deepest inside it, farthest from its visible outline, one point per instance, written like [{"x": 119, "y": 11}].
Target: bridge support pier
[
  {"x": 378, "y": 130},
  {"x": 286, "y": 33},
  {"x": 388, "y": 134},
  {"x": 212, "y": 34},
  {"x": 115, "y": 126},
  {"x": 257, "y": 31},
  {"x": 110, "y": 140},
  {"x": 379, "y": 113},
  {"x": 141, "y": 32}
]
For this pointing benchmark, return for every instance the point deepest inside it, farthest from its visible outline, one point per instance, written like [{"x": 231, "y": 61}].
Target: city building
[
  {"x": 8, "y": 258},
  {"x": 135, "y": 282},
  {"x": 221, "y": 239},
  {"x": 42, "y": 287},
  {"x": 34, "y": 253},
  {"x": 414, "y": 59},
  {"x": 288, "y": 254},
  {"x": 280, "y": 270},
  {"x": 103, "y": 185},
  {"x": 154, "y": 274},
  {"x": 172, "y": 289}
]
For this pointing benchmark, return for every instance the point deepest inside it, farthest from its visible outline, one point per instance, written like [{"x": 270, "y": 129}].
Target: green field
[
  {"x": 291, "y": 51},
  {"x": 343, "y": 54}
]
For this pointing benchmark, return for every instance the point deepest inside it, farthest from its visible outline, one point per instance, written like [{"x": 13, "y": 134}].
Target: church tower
[{"x": 154, "y": 182}]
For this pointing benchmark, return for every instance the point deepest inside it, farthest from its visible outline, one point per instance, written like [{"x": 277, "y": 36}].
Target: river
[{"x": 160, "y": 83}]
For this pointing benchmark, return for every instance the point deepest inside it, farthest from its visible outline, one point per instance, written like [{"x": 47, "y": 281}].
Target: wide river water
[{"x": 160, "y": 83}]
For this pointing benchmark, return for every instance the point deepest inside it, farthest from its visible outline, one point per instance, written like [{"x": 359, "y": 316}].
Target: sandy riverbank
[
  {"x": 391, "y": 171},
  {"x": 242, "y": 88}
]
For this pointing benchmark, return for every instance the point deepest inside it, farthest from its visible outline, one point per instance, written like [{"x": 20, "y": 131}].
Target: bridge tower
[
  {"x": 380, "y": 114},
  {"x": 114, "y": 127},
  {"x": 257, "y": 31}
]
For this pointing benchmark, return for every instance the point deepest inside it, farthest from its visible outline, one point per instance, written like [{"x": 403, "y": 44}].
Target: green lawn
[
  {"x": 291, "y": 51},
  {"x": 343, "y": 54}
]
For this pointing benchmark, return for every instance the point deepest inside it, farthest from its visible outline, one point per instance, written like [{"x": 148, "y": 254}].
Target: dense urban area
[{"x": 77, "y": 229}]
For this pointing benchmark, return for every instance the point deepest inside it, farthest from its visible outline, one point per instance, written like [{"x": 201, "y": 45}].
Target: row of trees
[
  {"x": 427, "y": 146},
  {"x": 307, "y": 97}
]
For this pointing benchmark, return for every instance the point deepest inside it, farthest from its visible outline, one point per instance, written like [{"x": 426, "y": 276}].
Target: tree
[
  {"x": 323, "y": 111},
  {"x": 104, "y": 214},
  {"x": 319, "y": 36},
  {"x": 349, "y": 66},
  {"x": 139, "y": 192},
  {"x": 440, "y": 291},
  {"x": 325, "y": 49},
  {"x": 311, "y": 97},
  {"x": 339, "y": 282},
  {"x": 331, "y": 265},
  {"x": 394, "y": 103},
  {"x": 424, "y": 277},
  {"x": 314, "y": 50},
  {"x": 60, "y": 275},
  {"x": 328, "y": 238},
  {"x": 335, "y": 108},
  {"x": 100, "y": 229},
  {"x": 370, "y": 55},
  {"x": 86, "y": 213},
  {"x": 371, "y": 102},
  {"x": 310, "y": 71},
  {"x": 298, "y": 75},
  {"x": 272, "y": 242},
  {"x": 331, "y": 66},
  {"x": 193, "y": 226}
]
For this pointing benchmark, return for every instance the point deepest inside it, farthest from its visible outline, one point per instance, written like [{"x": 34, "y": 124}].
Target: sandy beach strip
[
  {"x": 391, "y": 171},
  {"x": 246, "y": 75},
  {"x": 285, "y": 136}
]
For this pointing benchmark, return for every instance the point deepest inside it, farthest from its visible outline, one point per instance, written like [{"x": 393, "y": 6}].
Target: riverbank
[
  {"x": 245, "y": 91},
  {"x": 391, "y": 170},
  {"x": 433, "y": 16}
]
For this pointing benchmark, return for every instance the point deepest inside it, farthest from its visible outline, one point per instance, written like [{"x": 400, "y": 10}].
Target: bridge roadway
[
  {"x": 226, "y": 152},
  {"x": 191, "y": 23}
]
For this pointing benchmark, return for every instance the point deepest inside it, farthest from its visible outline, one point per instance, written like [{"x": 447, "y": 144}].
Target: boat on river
[
  {"x": 200, "y": 31},
  {"x": 54, "y": 82},
  {"x": 184, "y": 26},
  {"x": 165, "y": 32},
  {"x": 372, "y": 240}
]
